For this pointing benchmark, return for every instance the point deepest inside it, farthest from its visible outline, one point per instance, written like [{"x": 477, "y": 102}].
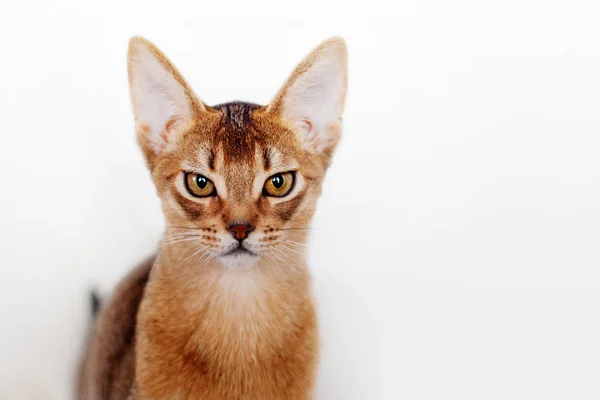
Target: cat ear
[
  {"x": 162, "y": 101},
  {"x": 312, "y": 99}
]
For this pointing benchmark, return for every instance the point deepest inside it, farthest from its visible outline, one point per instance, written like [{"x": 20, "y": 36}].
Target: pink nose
[{"x": 240, "y": 231}]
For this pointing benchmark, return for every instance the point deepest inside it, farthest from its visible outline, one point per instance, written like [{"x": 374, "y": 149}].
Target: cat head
[{"x": 238, "y": 182}]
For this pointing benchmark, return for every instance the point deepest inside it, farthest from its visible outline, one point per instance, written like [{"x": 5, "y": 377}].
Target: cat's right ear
[
  {"x": 312, "y": 99},
  {"x": 163, "y": 103}
]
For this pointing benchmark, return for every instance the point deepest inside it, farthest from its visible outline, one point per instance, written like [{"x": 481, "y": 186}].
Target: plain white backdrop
[{"x": 455, "y": 249}]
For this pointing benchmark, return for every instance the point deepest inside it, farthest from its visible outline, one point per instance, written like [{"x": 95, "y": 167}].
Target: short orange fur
[{"x": 195, "y": 322}]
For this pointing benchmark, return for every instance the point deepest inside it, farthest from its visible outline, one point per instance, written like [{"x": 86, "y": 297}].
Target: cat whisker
[
  {"x": 155, "y": 262},
  {"x": 187, "y": 227},
  {"x": 204, "y": 257},
  {"x": 290, "y": 249},
  {"x": 170, "y": 242},
  {"x": 202, "y": 252},
  {"x": 268, "y": 254},
  {"x": 275, "y": 263},
  {"x": 293, "y": 242},
  {"x": 176, "y": 237},
  {"x": 275, "y": 251},
  {"x": 183, "y": 233},
  {"x": 179, "y": 234},
  {"x": 193, "y": 254}
]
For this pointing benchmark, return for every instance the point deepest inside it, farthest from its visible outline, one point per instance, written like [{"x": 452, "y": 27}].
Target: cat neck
[
  {"x": 209, "y": 326},
  {"x": 209, "y": 302}
]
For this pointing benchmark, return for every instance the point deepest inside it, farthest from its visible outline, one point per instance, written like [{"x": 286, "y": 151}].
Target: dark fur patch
[
  {"x": 95, "y": 303},
  {"x": 237, "y": 113},
  {"x": 237, "y": 134},
  {"x": 108, "y": 365},
  {"x": 211, "y": 160},
  {"x": 193, "y": 210},
  {"x": 287, "y": 209},
  {"x": 266, "y": 158}
]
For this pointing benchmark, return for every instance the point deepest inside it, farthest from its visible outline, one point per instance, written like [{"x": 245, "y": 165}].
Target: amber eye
[
  {"x": 279, "y": 185},
  {"x": 199, "y": 185}
]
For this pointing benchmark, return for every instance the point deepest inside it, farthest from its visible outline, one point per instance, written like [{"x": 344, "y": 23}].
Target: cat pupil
[
  {"x": 201, "y": 182},
  {"x": 277, "y": 181}
]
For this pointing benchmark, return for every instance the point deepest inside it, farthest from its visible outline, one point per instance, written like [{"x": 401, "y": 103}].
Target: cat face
[{"x": 238, "y": 182}]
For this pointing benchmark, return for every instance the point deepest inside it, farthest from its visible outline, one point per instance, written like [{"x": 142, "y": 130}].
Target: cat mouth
[{"x": 239, "y": 251}]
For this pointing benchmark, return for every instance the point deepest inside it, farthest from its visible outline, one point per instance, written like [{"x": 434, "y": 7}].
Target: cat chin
[{"x": 238, "y": 260}]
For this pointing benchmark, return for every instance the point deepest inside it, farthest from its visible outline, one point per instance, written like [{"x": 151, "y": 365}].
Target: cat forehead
[
  {"x": 267, "y": 158},
  {"x": 242, "y": 134}
]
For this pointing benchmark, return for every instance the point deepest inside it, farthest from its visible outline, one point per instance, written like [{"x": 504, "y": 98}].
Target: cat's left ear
[
  {"x": 162, "y": 101},
  {"x": 312, "y": 99}
]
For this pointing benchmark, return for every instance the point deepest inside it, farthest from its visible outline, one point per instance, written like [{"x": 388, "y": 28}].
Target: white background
[{"x": 455, "y": 248}]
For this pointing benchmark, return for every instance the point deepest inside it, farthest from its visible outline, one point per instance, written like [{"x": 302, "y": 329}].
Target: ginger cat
[{"x": 224, "y": 311}]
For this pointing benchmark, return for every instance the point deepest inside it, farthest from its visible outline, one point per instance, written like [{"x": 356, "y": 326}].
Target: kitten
[{"x": 224, "y": 311}]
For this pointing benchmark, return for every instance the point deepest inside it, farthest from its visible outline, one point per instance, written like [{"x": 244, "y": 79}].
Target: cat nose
[{"x": 240, "y": 231}]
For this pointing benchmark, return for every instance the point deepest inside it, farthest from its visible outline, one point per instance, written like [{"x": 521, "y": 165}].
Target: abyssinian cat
[{"x": 224, "y": 311}]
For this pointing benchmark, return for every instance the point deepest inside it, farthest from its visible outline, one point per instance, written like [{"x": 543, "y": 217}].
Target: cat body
[{"x": 224, "y": 311}]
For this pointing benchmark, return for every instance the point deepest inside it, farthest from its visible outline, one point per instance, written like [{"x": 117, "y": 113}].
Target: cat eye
[
  {"x": 199, "y": 185},
  {"x": 279, "y": 185}
]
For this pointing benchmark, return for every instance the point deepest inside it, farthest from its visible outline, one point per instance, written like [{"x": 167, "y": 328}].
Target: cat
[{"x": 224, "y": 310}]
